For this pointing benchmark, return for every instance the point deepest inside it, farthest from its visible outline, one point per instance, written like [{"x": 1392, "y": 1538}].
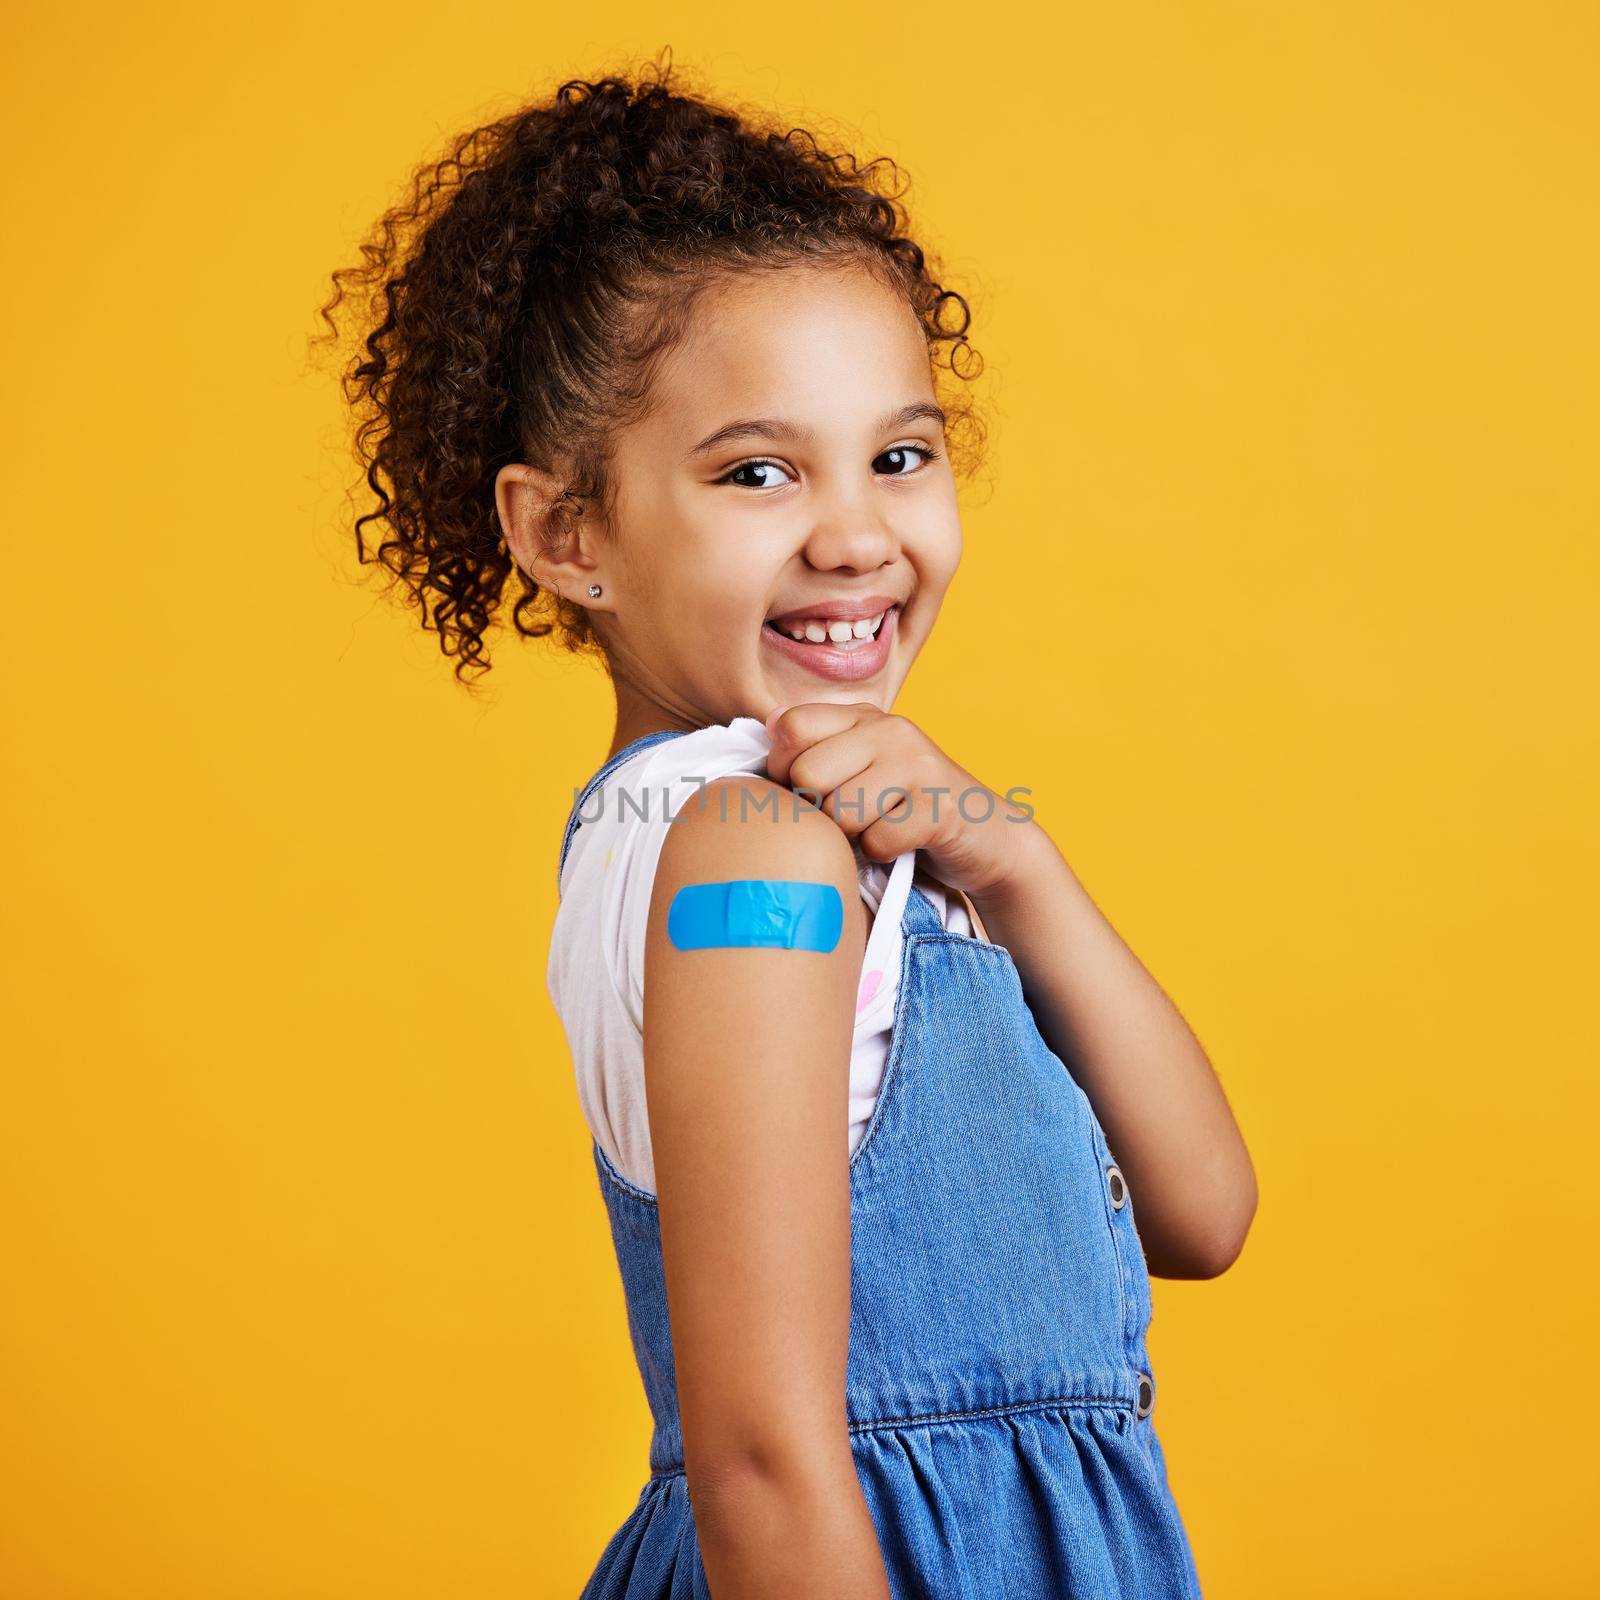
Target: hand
[{"x": 889, "y": 787}]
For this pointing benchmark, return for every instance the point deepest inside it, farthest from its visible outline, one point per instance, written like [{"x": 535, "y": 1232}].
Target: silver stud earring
[{"x": 594, "y": 591}]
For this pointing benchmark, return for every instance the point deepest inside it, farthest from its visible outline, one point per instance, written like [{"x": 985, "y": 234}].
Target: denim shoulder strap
[{"x": 644, "y": 742}]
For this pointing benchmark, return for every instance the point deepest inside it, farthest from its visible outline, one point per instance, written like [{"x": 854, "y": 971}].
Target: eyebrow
[{"x": 781, "y": 428}]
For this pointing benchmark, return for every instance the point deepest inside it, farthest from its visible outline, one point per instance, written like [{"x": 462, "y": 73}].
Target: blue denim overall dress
[{"x": 998, "y": 1387}]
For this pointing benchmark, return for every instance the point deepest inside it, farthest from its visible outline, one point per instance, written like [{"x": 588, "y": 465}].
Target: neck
[{"x": 637, "y": 715}]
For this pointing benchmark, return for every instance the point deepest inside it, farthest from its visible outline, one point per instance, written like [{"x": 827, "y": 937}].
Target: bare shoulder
[
  {"x": 751, "y": 828},
  {"x": 747, "y": 824}
]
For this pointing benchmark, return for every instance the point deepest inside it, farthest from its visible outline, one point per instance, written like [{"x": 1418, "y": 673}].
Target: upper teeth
[{"x": 818, "y": 632}]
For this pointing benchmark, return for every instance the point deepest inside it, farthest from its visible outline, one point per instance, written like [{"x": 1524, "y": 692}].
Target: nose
[{"x": 853, "y": 535}]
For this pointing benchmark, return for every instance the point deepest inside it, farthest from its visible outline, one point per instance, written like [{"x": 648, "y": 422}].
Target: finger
[
  {"x": 795, "y": 728},
  {"x": 835, "y": 774},
  {"x": 901, "y": 827}
]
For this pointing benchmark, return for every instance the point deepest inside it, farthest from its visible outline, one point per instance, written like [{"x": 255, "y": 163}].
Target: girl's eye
[
  {"x": 901, "y": 453},
  {"x": 751, "y": 466}
]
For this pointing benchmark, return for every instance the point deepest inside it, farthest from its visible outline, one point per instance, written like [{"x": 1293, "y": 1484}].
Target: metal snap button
[
  {"x": 1147, "y": 1395},
  {"x": 1118, "y": 1186}
]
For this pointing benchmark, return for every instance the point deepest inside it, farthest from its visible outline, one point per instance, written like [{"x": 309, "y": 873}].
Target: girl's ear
[{"x": 541, "y": 523}]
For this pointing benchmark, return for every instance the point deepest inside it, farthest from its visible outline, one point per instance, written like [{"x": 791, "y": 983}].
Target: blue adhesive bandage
[{"x": 756, "y": 913}]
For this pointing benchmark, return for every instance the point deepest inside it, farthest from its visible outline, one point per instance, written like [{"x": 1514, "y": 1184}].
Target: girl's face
[{"x": 791, "y": 477}]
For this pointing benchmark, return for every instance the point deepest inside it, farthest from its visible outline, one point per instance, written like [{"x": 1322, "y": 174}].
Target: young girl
[{"x": 675, "y": 376}]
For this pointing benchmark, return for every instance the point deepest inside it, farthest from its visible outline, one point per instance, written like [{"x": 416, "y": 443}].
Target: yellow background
[{"x": 1279, "y": 593}]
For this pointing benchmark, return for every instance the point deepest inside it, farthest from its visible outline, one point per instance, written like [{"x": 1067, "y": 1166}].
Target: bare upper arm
[{"x": 747, "y": 1059}]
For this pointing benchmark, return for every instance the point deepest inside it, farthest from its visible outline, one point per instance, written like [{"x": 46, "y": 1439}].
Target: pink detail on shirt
[{"x": 869, "y": 987}]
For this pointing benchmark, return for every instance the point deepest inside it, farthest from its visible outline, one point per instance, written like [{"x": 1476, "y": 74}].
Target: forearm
[
  {"x": 1163, "y": 1110},
  {"x": 787, "y": 1534}
]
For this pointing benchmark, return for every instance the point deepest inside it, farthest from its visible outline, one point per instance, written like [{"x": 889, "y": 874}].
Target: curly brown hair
[{"x": 516, "y": 304}]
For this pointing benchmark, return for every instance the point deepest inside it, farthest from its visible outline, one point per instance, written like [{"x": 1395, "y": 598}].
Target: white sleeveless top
[{"x": 595, "y": 972}]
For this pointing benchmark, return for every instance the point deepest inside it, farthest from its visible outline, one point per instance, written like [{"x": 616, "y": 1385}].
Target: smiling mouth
[{"x": 840, "y": 635}]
